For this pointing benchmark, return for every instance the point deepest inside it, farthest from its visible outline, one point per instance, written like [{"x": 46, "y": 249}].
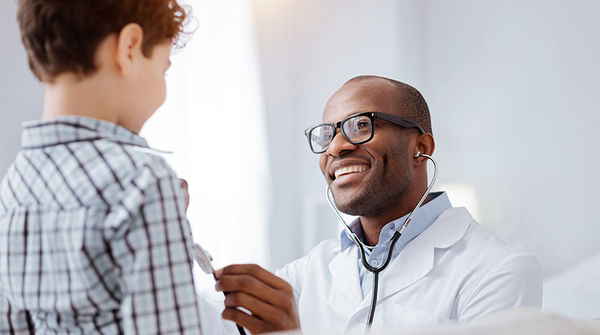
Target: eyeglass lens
[
  {"x": 321, "y": 136},
  {"x": 356, "y": 129}
]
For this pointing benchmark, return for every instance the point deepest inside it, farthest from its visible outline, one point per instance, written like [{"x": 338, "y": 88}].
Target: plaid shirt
[{"x": 93, "y": 235}]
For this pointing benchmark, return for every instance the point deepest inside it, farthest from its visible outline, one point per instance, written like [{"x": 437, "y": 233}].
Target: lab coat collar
[
  {"x": 417, "y": 259},
  {"x": 412, "y": 264}
]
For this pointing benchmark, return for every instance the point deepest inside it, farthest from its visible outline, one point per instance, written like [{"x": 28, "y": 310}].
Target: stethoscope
[{"x": 361, "y": 246}]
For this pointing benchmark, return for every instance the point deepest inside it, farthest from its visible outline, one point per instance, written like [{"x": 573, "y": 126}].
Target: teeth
[{"x": 349, "y": 169}]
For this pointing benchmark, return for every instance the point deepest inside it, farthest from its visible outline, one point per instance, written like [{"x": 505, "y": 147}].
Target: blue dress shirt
[{"x": 422, "y": 219}]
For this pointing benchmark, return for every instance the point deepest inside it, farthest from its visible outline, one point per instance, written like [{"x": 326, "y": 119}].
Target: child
[{"x": 93, "y": 231}]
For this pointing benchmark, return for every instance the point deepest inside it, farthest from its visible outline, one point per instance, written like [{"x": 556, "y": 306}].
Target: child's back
[{"x": 86, "y": 212}]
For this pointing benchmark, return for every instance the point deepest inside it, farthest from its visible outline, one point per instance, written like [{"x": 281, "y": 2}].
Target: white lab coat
[{"x": 454, "y": 271}]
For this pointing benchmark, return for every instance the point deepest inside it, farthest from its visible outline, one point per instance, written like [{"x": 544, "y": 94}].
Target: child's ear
[{"x": 129, "y": 47}]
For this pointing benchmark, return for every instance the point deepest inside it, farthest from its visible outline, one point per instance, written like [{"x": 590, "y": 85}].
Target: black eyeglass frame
[{"x": 394, "y": 119}]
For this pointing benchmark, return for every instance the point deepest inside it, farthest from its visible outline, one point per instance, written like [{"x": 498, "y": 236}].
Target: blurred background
[{"x": 512, "y": 87}]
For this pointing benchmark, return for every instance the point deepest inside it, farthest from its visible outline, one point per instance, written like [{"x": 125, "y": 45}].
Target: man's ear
[
  {"x": 425, "y": 145},
  {"x": 129, "y": 47}
]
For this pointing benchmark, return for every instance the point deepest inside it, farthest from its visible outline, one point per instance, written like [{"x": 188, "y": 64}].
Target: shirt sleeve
[
  {"x": 14, "y": 321},
  {"x": 152, "y": 249},
  {"x": 514, "y": 282}
]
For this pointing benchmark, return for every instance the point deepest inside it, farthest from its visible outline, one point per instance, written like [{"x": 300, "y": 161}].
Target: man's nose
[{"x": 339, "y": 145}]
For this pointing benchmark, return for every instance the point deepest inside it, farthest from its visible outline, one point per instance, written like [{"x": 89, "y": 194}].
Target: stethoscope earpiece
[{"x": 418, "y": 154}]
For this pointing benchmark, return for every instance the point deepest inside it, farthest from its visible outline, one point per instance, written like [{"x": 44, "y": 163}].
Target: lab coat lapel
[
  {"x": 345, "y": 289},
  {"x": 417, "y": 258}
]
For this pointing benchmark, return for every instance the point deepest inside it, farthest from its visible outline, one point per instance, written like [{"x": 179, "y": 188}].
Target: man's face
[{"x": 367, "y": 179}]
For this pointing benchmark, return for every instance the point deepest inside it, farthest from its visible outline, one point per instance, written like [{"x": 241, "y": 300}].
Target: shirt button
[{"x": 374, "y": 262}]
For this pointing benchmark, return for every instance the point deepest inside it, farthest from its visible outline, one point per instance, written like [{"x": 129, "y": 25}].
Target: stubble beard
[{"x": 378, "y": 196}]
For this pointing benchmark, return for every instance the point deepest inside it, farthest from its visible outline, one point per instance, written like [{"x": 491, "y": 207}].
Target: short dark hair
[
  {"x": 63, "y": 35},
  {"x": 408, "y": 99}
]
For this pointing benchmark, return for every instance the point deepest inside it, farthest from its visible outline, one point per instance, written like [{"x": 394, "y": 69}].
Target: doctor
[{"x": 445, "y": 266}]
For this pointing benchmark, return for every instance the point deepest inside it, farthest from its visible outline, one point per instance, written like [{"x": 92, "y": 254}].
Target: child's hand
[{"x": 184, "y": 184}]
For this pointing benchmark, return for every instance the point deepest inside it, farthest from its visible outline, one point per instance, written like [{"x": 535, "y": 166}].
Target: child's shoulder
[
  {"x": 132, "y": 161},
  {"x": 129, "y": 169}
]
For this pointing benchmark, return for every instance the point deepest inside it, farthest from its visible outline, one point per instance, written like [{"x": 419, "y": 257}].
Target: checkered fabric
[{"x": 93, "y": 235}]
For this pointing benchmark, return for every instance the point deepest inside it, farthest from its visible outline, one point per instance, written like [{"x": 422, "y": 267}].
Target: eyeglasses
[{"x": 356, "y": 129}]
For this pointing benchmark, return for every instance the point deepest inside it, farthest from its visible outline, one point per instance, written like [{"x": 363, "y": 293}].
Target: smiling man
[{"x": 443, "y": 267}]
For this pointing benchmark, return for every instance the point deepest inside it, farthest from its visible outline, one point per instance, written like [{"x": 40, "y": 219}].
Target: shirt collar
[
  {"x": 422, "y": 219},
  {"x": 71, "y": 128}
]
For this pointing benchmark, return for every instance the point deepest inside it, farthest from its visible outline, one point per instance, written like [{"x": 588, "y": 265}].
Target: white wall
[
  {"x": 20, "y": 93},
  {"x": 513, "y": 89}
]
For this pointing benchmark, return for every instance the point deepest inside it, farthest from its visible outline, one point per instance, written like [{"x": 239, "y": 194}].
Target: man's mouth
[{"x": 349, "y": 170}]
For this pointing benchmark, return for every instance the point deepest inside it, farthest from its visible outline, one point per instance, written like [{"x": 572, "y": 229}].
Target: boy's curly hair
[{"x": 63, "y": 35}]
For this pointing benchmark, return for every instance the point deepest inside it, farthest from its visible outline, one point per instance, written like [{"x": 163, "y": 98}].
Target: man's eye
[{"x": 363, "y": 124}]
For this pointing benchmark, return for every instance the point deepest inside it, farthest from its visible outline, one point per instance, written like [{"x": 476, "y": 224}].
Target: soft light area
[{"x": 213, "y": 121}]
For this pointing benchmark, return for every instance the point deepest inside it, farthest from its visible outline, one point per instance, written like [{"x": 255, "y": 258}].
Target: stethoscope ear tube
[{"x": 361, "y": 246}]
